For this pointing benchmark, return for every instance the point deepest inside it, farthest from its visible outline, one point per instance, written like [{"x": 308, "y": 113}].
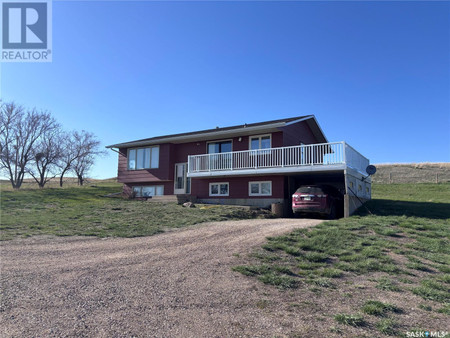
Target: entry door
[{"x": 180, "y": 178}]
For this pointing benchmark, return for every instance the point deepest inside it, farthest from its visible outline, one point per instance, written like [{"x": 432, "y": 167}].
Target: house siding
[
  {"x": 162, "y": 173},
  {"x": 238, "y": 187},
  {"x": 170, "y": 154},
  {"x": 297, "y": 133}
]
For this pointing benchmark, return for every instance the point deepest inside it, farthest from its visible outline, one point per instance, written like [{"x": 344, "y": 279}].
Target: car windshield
[{"x": 309, "y": 190}]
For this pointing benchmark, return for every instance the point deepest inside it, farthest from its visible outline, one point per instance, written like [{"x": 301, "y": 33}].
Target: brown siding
[
  {"x": 238, "y": 186},
  {"x": 169, "y": 154},
  {"x": 297, "y": 133},
  {"x": 183, "y": 150},
  {"x": 146, "y": 175}
]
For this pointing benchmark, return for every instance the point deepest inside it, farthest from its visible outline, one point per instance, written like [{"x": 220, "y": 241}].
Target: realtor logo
[{"x": 26, "y": 31}]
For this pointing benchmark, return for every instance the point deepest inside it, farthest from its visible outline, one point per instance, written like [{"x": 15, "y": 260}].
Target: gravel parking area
[{"x": 176, "y": 284}]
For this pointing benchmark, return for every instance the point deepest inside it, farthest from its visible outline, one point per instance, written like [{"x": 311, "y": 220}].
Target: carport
[{"x": 355, "y": 187}]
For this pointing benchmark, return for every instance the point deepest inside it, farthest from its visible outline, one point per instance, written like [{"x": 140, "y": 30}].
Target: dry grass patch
[{"x": 399, "y": 261}]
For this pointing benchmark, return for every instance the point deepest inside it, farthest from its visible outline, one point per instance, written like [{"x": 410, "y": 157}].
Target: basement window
[
  {"x": 149, "y": 190},
  {"x": 219, "y": 189},
  {"x": 260, "y": 188}
]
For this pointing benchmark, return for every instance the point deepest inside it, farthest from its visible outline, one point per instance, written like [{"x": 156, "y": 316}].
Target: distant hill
[
  {"x": 54, "y": 183},
  {"x": 412, "y": 173}
]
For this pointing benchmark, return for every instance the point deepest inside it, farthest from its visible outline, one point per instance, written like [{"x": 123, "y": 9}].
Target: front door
[{"x": 180, "y": 178}]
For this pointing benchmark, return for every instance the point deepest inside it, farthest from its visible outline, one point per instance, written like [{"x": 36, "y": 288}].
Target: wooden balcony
[{"x": 335, "y": 156}]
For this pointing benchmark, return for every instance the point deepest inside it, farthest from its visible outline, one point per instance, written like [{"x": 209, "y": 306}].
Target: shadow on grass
[{"x": 381, "y": 207}]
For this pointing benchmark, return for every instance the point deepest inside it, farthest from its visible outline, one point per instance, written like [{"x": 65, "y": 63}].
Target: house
[{"x": 251, "y": 164}]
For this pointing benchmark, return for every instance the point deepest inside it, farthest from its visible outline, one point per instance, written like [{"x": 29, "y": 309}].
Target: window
[
  {"x": 143, "y": 158},
  {"x": 218, "y": 160},
  {"x": 188, "y": 185},
  {"x": 219, "y": 147},
  {"x": 260, "y": 142},
  {"x": 260, "y": 188},
  {"x": 219, "y": 189},
  {"x": 149, "y": 190}
]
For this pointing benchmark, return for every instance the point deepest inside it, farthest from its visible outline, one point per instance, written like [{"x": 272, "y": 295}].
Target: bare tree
[
  {"x": 46, "y": 157},
  {"x": 82, "y": 166},
  {"x": 19, "y": 133},
  {"x": 70, "y": 152},
  {"x": 79, "y": 151}
]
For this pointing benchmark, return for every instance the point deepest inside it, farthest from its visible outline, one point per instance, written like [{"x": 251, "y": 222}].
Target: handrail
[{"x": 321, "y": 154}]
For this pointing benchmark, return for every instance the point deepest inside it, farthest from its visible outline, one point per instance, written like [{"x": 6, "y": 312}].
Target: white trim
[
  {"x": 175, "y": 190},
  {"x": 135, "y": 164},
  {"x": 219, "y": 194},
  {"x": 265, "y": 171},
  {"x": 300, "y": 120},
  {"x": 145, "y": 186},
  {"x": 259, "y": 188},
  {"x": 259, "y": 136},
  {"x": 308, "y": 118},
  {"x": 320, "y": 128}
]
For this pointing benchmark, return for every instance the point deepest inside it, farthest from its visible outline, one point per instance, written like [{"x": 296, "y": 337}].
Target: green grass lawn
[
  {"x": 403, "y": 247},
  {"x": 85, "y": 211}
]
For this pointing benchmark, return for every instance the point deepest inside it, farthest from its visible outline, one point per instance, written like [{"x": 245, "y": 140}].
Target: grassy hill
[
  {"x": 68, "y": 182},
  {"x": 86, "y": 211},
  {"x": 368, "y": 275},
  {"x": 412, "y": 173}
]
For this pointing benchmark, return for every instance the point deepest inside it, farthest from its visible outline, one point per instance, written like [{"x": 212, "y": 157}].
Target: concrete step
[
  {"x": 180, "y": 199},
  {"x": 164, "y": 199}
]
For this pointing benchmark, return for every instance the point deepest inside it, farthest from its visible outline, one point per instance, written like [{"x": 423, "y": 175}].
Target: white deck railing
[{"x": 296, "y": 156}]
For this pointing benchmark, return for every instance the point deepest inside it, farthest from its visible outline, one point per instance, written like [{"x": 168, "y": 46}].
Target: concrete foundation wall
[
  {"x": 351, "y": 203},
  {"x": 260, "y": 202}
]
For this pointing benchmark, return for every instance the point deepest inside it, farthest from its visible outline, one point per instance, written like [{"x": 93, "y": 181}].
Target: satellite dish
[{"x": 371, "y": 169}]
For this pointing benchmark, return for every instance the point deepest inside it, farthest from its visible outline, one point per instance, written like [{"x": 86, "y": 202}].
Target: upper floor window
[
  {"x": 219, "y": 147},
  {"x": 143, "y": 158},
  {"x": 260, "y": 142}
]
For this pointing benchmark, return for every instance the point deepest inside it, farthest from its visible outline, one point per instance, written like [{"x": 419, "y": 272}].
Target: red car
[{"x": 318, "y": 199}]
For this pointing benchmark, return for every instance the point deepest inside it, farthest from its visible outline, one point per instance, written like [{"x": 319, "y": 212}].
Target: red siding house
[{"x": 251, "y": 164}]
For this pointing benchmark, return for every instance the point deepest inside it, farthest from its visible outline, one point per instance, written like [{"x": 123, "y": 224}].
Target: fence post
[
  {"x": 390, "y": 178},
  {"x": 437, "y": 178}
]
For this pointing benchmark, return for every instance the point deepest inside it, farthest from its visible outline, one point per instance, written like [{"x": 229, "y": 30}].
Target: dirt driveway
[{"x": 178, "y": 283}]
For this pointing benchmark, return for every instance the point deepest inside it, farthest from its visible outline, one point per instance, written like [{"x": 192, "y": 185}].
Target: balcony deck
[{"x": 334, "y": 156}]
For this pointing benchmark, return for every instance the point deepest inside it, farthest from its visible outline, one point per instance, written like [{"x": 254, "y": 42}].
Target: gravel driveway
[{"x": 178, "y": 283}]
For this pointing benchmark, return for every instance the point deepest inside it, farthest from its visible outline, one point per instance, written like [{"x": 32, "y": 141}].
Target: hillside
[{"x": 412, "y": 173}]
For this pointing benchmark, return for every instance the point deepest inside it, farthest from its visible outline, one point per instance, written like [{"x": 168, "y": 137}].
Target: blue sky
[{"x": 375, "y": 74}]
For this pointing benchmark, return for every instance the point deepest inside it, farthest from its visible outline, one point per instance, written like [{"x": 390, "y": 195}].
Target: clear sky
[{"x": 375, "y": 74}]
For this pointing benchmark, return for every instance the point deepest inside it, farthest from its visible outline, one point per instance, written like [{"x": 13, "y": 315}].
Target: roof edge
[{"x": 213, "y": 133}]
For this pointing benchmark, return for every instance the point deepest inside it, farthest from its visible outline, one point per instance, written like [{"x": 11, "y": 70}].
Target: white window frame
[
  {"x": 219, "y": 194},
  {"x": 144, "y": 186},
  {"x": 259, "y": 188},
  {"x": 259, "y": 137},
  {"x": 136, "y": 160}
]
